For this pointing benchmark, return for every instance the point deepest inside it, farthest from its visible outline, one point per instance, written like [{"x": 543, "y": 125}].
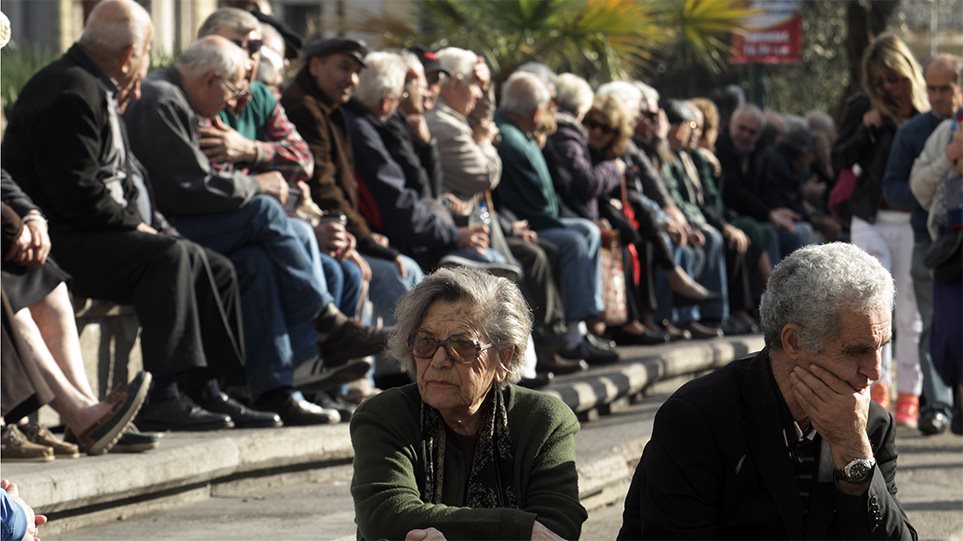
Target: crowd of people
[{"x": 265, "y": 224}]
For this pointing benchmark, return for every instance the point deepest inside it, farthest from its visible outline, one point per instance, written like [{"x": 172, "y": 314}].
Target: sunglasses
[
  {"x": 253, "y": 45},
  {"x": 651, "y": 115},
  {"x": 593, "y": 125},
  {"x": 460, "y": 348}
]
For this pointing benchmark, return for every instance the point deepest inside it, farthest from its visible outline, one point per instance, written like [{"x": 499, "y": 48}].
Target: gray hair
[
  {"x": 748, "y": 109},
  {"x": 814, "y": 285},
  {"x": 460, "y": 63},
  {"x": 523, "y": 93},
  {"x": 648, "y": 93},
  {"x": 627, "y": 93},
  {"x": 230, "y": 18},
  {"x": 543, "y": 72},
  {"x": 500, "y": 311},
  {"x": 383, "y": 75},
  {"x": 213, "y": 54},
  {"x": 574, "y": 94},
  {"x": 114, "y": 26},
  {"x": 412, "y": 62}
]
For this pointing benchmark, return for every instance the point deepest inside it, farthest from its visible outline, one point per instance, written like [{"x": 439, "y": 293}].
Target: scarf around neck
[{"x": 490, "y": 480}]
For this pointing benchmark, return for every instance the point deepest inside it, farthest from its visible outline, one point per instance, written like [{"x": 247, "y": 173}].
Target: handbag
[
  {"x": 838, "y": 202},
  {"x": 613, "y": 285},
  {"x": 945, "y": 256}
]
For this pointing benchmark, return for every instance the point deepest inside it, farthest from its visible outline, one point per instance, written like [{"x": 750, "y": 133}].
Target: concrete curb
[{"x": 190, "y": 461}]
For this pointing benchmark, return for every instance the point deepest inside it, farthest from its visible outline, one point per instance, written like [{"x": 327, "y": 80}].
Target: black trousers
[{"x": 186, "y": 297}]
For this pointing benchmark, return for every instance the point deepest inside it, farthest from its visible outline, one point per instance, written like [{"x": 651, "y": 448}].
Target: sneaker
[
  {"x": 41, "y": 435},
  {"x": 135, "y": 441},
  {"x": 15, "y": 447},
  {"x": 879, "y": 392},
  {"x": 907, "y": 409}
]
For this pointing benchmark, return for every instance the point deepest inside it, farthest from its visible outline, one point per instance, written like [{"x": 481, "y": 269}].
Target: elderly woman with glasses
[{"x": 463, "y": 453}]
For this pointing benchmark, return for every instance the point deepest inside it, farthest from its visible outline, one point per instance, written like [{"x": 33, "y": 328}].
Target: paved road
[{"x": 316, "y": 505}]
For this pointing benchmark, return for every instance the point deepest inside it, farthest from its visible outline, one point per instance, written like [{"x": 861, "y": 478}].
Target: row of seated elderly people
[{"x": 250, "y": 222}]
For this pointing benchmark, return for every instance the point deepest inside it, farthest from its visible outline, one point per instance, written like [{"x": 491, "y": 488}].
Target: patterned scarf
[{"x": 490, "y": 483}]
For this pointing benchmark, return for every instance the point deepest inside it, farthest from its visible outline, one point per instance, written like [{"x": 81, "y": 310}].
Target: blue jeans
[
  {"x": 268, "y": 253},
  {"x": 790, "y": 241},
  {"x": 578, "y": 246},
  {"x": 387, "y": 285},
  {"x": 707, "y": 265}
]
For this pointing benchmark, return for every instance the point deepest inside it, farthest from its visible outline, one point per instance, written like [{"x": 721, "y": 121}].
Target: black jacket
[
  {"x": 58, "y": 143},
  {"x": 717, "y": 467},
  {"x": 418, "y": 160},
  {"x": 867, "y": 147},
  {"x": 740, "y": 181}
]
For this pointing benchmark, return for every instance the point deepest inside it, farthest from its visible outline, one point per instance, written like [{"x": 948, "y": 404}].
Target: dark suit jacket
[
  {"x": 56, "y": 147},
  {"x": 718, "y": 467}
]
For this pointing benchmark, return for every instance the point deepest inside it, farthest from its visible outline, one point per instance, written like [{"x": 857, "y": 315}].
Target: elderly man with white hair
[
  {"x": 527, "y": 190},
  {"x": 425, "y": 231},
  {"x": 786, "y": 443}
]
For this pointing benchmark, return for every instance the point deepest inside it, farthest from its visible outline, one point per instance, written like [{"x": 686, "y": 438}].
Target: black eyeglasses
[
  {"x": 593, "y": 125},
  {"x": 651, "y": 115},
  {"x": 460, "y": 348},
  {"x": 253, "y": 45}
]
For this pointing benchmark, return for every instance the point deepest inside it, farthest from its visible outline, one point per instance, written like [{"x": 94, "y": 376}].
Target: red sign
[{"x": 774, "y": 36}]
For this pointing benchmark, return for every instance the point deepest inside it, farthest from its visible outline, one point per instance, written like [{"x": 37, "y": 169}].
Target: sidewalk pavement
[{"x": 190, "y": 467}]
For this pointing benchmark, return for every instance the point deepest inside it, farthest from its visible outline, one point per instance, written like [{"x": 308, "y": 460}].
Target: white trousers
[{"x": 890, "y": 240}]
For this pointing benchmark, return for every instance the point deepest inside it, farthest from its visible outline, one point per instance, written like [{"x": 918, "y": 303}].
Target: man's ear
[
  {"x": 314, "y": 63},
  {"x": 384, "y": 107},
  {"x": 789, "y": 340},
  {"x": 126, "y": 60}
]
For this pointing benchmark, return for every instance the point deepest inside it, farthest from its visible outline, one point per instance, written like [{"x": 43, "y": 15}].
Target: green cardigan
[{"x": 389, "y": 469}]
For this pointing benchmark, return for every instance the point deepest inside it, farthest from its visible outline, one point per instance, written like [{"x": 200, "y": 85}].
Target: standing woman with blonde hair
[{"x": 894, "y": 91}]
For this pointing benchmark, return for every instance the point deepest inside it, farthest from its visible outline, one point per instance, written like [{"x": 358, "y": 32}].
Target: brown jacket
[{"x": 333, "y": 186}]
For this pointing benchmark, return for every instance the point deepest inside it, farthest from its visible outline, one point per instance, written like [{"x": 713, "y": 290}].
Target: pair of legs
[
  {"x": 282, "y": 291},
  {"x": 937, "y": 394},
  {"x": 48, "y": 328}
]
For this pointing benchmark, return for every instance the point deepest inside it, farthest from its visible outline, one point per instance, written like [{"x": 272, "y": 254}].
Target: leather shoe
[
  {"x": 297, "y": 411},
  {"x": 559, "y": 366},
  {"x": 180, "y": 414},
  {"x": 599, "y": 342},
  {"x": 933, "y": 422},
  {"x": 675, "y": 333},
  {"x": 648, "y": 337},
  {"x": 592, "y": 353},
  {"x": 540, "y": 380},
  {"x": 243, "y": 416},
  {"x": 700, "y": 331},
  {"x": 341, "y": 339}
]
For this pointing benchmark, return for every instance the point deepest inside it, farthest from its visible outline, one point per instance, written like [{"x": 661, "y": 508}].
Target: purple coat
[{"x": 579, "y": 182}]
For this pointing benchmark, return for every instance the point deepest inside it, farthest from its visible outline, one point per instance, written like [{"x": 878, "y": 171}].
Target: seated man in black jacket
[{"x": 785, "y": 444}]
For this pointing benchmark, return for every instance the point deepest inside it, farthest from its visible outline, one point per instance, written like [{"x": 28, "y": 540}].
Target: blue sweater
[{"x": 907, "y": 145}]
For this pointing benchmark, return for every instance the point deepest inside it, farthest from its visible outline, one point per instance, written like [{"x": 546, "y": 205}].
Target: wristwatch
[{"x": 857, "y": 472}]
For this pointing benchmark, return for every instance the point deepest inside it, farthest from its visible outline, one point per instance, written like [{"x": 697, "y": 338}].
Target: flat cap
[
  {"x": 429, "y": 60},
  {"x": 327, "y": 46}
]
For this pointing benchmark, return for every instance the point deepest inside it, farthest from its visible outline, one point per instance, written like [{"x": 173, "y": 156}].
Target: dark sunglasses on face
[
  {"x": 651, "y": 115},
  {"x": 460, "y": 348},
  {"x": 592, "y": 125},
  {"x": 253, "y": 45}
]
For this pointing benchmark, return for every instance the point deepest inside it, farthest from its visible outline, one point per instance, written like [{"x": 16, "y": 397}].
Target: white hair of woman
[
  {"x": 574, "y": 95},
  {"x": 627, "y": 93},
  {"x": 648, "y": 93}
]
